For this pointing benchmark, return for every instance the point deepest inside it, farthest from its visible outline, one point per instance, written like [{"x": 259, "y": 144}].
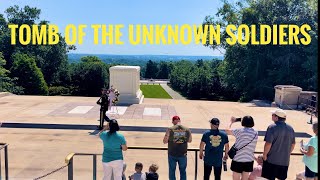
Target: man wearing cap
[
  {"x": 213, "y": 142},
  {"x": 279, "y": 143},
  {"x": 177, "y": 137}
]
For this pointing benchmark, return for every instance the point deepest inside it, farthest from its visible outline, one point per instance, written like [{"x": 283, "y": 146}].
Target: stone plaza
[{"x": 42, "y": 130}]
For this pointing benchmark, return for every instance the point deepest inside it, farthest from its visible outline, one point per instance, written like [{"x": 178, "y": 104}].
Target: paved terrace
[{"x": 42, "y": 130}]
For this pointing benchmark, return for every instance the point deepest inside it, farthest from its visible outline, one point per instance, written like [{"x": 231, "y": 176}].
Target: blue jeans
[{"x": 182, "y": 161}]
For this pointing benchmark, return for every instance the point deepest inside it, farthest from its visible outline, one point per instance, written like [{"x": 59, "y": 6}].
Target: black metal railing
[
  {"x": 4, "y": 147},
  {"x": 69, "y": 159},
  {"x": 309, "y": 104}
]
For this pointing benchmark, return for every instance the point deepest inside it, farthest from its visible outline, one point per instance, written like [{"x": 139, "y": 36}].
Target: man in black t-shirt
[{"x": 177, "y": 137}]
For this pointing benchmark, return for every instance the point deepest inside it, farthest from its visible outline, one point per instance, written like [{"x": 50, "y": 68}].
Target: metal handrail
[
  {"x": 3, "y": 145},
  {"x": 69, "y": 159},
  {"x": 6, "y": 168}
]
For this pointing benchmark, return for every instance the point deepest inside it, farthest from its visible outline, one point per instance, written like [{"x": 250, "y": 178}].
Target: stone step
[{"x": 2, "y": 94}]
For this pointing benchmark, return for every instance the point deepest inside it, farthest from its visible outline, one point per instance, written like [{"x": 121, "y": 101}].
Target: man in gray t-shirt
[
  {"x": 279, "y": 143},
  {"x": 177, "y": 137}
]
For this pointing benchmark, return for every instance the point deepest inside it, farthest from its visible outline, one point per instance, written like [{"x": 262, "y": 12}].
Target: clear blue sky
[{"x": 125, "y": 12}]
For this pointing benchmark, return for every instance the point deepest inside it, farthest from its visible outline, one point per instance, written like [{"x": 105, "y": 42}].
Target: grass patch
[{"x": 154, "y": 91}]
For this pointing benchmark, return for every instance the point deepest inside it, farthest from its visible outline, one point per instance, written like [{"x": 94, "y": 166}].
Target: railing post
[
  {"x": 94, "y": 167},
  {"x": 0, "y": 167},
  {"x": 196, "y": 165},
  {"x": 6, "y": 168},
  {"x": 70, "y": 169}
]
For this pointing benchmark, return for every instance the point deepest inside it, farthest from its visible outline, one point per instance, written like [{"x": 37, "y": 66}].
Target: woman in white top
[{"x": 246, "y": 141}]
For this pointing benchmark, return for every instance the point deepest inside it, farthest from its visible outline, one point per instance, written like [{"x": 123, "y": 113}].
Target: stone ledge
[{"x": 2, "y": 94}]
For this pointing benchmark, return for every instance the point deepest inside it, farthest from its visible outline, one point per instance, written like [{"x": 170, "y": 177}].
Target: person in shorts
[
  {"x": 310, "y": 157},
  {"x": 279, "y": 143},
  {"x": 246, "y": 141}
]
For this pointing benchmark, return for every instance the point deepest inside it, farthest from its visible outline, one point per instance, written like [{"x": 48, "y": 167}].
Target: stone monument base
[
  {"x": 128, "y": 99},
  {"x": 127, "y": 80}
]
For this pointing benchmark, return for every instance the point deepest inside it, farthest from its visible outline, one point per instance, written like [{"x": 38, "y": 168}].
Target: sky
[{"x": 62, "y": 13}]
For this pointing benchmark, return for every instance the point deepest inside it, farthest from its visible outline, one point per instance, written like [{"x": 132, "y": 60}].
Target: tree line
[
  {"x": 251, "y": 71},
  {"x": 44, "y": 69},
  {"x": 247, "y": 71}
]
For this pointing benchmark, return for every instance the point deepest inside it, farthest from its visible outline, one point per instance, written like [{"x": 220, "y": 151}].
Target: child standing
[
  {"x": 258, "y": 169},
  {"x": 138, "y": 175},
  {"x": 152, "y": 174}
]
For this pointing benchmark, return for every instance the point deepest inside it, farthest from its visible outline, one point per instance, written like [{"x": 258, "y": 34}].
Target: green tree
[
  {"x": 89, "y": 76},
  {"x": 7, "y": 84},
  {"x": 252, "y": 71},
  {"x": 164, "y": 70},
  {"x": 29, "y": 75},
  {"x": 3, "y": 71},
  {"x": 51, "y": 59},
  {"x": 151, "y": 69},
  {"x": 3, "y": 75},
  {"x": 179, "y": 76},
  {"x": 90, "y": 59}
]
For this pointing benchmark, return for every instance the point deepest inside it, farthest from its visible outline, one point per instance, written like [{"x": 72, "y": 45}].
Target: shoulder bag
[{"x": 233, "y": 150}]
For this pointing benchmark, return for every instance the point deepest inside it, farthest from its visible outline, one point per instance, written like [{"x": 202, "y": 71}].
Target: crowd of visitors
[{"x": 214, "y": 150}]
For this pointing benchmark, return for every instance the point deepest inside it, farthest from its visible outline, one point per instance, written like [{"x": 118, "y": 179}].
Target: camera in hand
[
  {"x": 238, "y": 120},
  {"x": 224, "y": 162}
]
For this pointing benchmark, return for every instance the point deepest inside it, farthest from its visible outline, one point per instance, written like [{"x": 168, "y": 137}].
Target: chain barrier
[
  {"x": 288, "y": 106},
  {"x": 54, "y": 171}
]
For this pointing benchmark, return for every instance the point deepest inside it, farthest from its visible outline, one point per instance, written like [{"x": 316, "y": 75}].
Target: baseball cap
[
  {"x": 279, "y": 112},
  {"x": 175, "y": 118},
  {"x": 215, "y": 121}
]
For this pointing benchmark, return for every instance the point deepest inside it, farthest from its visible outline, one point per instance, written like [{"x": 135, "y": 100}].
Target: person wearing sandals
[{"x": 246, "y": 141}]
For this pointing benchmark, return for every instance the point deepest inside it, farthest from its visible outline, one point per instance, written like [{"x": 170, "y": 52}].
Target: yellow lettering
[
  {"x": 81, "y": 33},
  {"x": 182, "y": 34},
  {"x": 275, "y": 34},
  {"x": 96, "y": 28},
  {"x": 307, "y": 39},
  {"x": 245, "y": 34},
  {"x": 282, "y": 34},
  {"x": 119, "y": 34},
  {"x": 147, "y": 34},
  {"x": 24, "y": 31},
  {"x": 233, "y": 39},
  {"x": 39, "y": 38},
  {"x": 253, "y": 35},
  {"x": 199, "y": 33},
  {"x": 173, "y": 34},
  {"x": 53, "y": 34},
  {"x": 265, "y": 32},
  {"x": 73, "y": 29},
  {"x": 131, "y": 36},
  {"x": 106, "y": 34},
  {"x": 160, "y": 35},
  {"x": 214, "y": 34},
  {"x": 293, "y": 34},
  {"x": 13, "y": 28}
]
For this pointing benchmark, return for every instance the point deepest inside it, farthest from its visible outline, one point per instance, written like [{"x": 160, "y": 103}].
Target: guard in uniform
[{"x": 103, "y": 102}]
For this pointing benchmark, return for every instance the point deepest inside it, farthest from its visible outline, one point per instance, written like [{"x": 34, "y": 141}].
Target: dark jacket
[{"x": 152, "y": 176}]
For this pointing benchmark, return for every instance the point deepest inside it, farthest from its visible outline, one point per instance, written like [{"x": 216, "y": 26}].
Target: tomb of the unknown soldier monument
[{"x": 127, "y": 80}]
